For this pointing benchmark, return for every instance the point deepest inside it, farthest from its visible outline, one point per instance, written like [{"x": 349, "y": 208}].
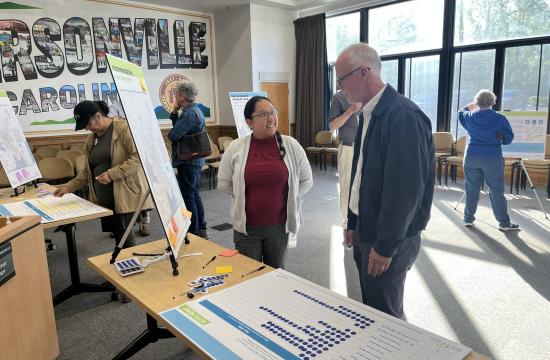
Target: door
[{"x": 278, "y": 93}]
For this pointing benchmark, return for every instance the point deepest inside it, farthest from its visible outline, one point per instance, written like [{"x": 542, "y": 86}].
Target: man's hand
[
  {"x": 500, "y": 136},
  {"x": 104, "y": 178},
  {"x": 377, "y": 263},
  {"x": 60, "y": 191},
  {"x": 348, "y": 238},
  {"x": 355, "y": 107}
]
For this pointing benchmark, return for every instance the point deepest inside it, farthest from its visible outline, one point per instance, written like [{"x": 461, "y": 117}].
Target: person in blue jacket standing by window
[{"x": 483, "y": 161}]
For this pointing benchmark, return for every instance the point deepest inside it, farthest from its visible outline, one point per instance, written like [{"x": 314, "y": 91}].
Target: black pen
[
  {"x": 209, "y": 261},
  {"x": 253, "y": 271}
]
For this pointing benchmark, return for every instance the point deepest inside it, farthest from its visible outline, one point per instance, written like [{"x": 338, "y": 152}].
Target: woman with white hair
[
  {"x": 483, "y": 161},
  {"x": 188, "y": 119}
]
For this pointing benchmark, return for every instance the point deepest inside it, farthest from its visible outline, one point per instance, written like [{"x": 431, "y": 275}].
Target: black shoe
[
  {"x": 509, "y": 227},
  {"x": 203, "y": 233}
]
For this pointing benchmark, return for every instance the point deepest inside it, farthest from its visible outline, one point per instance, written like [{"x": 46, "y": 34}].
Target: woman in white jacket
[{"x": 266, "y": 174}]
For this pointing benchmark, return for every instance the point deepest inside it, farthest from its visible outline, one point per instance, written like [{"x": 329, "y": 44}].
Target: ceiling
[{"x": 213, "y": 6}]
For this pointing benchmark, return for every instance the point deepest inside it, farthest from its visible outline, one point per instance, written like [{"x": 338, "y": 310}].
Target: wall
[
  {"x": 273, "y": 46},
  {"x": 233, "y": 56}
]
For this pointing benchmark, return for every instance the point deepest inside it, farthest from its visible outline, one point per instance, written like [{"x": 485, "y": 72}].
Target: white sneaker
[
  {"x": 510, "y": 227},
  {"x": 469, "y": 224}
]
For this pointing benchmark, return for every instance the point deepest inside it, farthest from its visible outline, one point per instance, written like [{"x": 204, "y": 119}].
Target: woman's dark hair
[
  {"x": 251, "y": 105},
  {"x": 249, "y": 109},
  {"x": 103, "y": 107}
]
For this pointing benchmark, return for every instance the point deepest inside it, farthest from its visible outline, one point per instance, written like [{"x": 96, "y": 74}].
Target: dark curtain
[{"x": 312, "y": 91}]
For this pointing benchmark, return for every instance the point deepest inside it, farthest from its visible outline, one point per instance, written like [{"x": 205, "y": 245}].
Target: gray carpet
[{"x": 484, "y": 288}]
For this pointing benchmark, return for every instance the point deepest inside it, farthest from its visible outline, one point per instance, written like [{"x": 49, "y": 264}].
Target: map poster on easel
[
  {"x": 529, "y": 135},
  {"x": 238, "y": 102},
  {"x": 156, "y": 163},
  {"x": 15, "y": 155}
]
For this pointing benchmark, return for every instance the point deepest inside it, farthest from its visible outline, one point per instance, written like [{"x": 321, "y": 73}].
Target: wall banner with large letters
[{"x": 53, "y": 56}]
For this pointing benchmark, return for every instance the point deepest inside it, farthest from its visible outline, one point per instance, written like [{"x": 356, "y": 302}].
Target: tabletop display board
[
  {"x": 51, "y": 208},
  {"x": 238, "y": 102},
  {"x": 529, "y": 135},
  {"x": 282, "y": 316},
  {"x": 134, "y": 95},
  {"x": 15, "y": 155}
]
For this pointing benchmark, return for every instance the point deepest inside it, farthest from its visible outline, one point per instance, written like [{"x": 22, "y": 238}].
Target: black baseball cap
[{"x": 83, "y": 112}]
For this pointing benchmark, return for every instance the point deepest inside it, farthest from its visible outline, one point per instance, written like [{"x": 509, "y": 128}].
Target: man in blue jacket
[{"x": 393, "y": 176}]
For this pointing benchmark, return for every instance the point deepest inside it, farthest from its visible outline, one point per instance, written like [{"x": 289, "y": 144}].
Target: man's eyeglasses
[
  {"x": 265, "y": 114},
  {"x": 344, "y": 77}
]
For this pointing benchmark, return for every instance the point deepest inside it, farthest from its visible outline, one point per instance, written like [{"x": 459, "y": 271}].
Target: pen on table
[
  {"x": 209, "y": 261},
  {"x": 253, "y": 271}
]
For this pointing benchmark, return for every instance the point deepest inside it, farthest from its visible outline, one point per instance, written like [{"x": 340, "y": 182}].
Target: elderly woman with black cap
[{"x": 112, "y": 172}]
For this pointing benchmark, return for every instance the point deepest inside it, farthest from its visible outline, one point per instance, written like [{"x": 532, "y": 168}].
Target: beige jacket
[{"x": 127, "y": 174}]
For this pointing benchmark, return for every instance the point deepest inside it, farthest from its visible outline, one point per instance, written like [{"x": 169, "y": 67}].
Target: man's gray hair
[
  {"x": 485, "y": 99},
  {"x": 363, "y": 54},
  {"x": 188, "y": 90}
]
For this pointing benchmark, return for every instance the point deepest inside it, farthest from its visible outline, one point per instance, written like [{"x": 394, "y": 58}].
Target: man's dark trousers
[{"x": 385, "y": 292}]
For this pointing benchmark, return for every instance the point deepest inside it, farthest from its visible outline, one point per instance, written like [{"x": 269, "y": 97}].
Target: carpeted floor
[{"x": 486, "y": 289}]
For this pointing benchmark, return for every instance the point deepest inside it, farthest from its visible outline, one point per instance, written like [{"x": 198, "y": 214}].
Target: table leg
[
  {"x": 152, "y": 334},
  {"x": 76, "y": 286}
]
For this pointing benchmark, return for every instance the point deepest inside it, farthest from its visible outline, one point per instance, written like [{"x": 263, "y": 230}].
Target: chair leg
[{"x": 446, "y": 172}]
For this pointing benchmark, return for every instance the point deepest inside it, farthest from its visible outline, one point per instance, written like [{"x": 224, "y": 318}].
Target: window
[
  {"x": 485, "y": 21},
  {"x": 406, "y": 27},
  {"x": 421, "y": 84},
  {"x": 544, "y": 91},
  {"x": 390, "y": 72},
  {"x": 342, "y": 31},
  {"x": 521, "y": 78},
  {"x": 473, "y": 71}
]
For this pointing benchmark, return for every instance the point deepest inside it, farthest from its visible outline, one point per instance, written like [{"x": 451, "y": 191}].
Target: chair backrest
[
  {"x": 225, "y": 144},
  {"x": 443, "y": 141},
  {"x": 221, "y": 141},
  {"x": 47, "y": 151},
  {"x": 37, "y": 157},
  {"x": 70, "y": 155},
  {"x": 4, "y": 182},
  {"x": 547, "y": 148},
  {"x": 460, "y": 146},
  {"x": 215, "y": 150},
  {"x": 78, "y": 147},
  {"x": 80, "y": 163},
  {"x": 55, "y": 169},
  {"x": 323, "y": 138}
]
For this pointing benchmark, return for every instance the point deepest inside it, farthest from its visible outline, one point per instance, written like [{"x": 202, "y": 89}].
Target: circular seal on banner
[{"x": 167, "y": 91}]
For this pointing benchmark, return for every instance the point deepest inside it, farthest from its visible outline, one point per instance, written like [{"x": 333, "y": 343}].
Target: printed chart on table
[
  {"x": 282, "y": 316},
  {"x": 52, "y": 208}
]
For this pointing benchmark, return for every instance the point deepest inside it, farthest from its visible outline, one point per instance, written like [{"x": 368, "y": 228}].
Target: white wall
[
  {"x": 273, "y": 46},
  {"x": 233, "y": 56}
]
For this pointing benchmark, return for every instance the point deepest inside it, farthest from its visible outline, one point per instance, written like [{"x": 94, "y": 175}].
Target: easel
[
  {"x": 522, "y": 167},
  {"x": 169, "y": 251},
  {"x": 16, "y": 189}
]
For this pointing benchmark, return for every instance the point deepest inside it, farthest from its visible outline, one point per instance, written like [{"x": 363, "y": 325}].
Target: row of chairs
[{"x": 451, "y": 155}]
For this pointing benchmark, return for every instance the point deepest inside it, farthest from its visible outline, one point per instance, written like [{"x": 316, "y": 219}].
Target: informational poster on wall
[
  {"x": 15, "y": 155},
  {"x": 529, "y": 135},
  {"x": 53, "y": 56},
  {"x": 134, "y": 95},
  {"x": 238, "y": 102},
  {"x": 282, "y": 316}
]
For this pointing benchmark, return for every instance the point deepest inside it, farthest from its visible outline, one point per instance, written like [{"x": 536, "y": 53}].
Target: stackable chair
[
  {"x": 56, "y": 170},
  {"x": 456, "y": 160},
  {"x": 46, "y": 151},
  {"x": 443, "y": 142},
  {"x": 323, "y": 139},
  {"x": 541, "y": 166}
]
